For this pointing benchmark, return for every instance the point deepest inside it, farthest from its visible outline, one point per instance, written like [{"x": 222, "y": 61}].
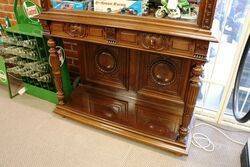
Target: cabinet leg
[
  {"x": 191, "y": 96},
  {"x": 56, "y": 70}
]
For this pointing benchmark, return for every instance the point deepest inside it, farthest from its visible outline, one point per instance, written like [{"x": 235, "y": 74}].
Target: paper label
[
  {"x": 31, "y": 11},
  {"x": 115, "y": 6}
]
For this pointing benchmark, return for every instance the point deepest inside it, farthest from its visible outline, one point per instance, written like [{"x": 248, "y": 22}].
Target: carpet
[{"x": 31, "y": 135}]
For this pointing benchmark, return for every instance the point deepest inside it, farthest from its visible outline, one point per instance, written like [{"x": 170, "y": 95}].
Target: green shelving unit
[{"x": 29, "y": 29}]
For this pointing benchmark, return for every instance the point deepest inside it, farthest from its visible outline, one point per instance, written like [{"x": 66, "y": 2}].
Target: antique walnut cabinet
[{"x": 140, "y": 75}]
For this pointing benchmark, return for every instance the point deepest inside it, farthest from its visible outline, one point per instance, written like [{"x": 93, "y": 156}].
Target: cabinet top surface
[{"x": 185, "y": 18}]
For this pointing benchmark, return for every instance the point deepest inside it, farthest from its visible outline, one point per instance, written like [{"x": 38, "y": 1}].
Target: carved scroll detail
[
  {"x": 191, "y": 96},
  {"x": 55, "y": 63}
]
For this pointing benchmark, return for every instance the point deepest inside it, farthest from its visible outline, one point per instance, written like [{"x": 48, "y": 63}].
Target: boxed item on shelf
[
  {"x": 71, "y": 5},
  {"x": 136, "y": 7}
]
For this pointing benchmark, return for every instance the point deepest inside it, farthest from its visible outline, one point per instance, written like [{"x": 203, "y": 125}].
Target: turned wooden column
[
  {"x": 56, "y": 70},
  {"x": 193, "y": 90}
]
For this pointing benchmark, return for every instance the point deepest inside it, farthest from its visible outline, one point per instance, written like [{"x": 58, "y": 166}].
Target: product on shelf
[
  {"x": 72, "y": 5},
  {"x": 44, "y": 78},
  {"x": 177, "y": 9},
  {"x": 23, "y": 55},
  {"x": 134, "y": 7}
]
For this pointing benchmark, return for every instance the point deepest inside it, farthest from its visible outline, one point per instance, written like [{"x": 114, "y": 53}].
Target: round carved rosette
[
  {"x": 105, "y": 61},
  {"x": 163, "y": 72}
]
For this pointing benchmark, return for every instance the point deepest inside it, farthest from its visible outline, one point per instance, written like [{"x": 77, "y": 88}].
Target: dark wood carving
[
  {"x": 75, "y": 30},
  {"x": 191, "y": 96},
  {"x": 163, "y": 72},
  {"x": 107, "y": 66},
  {"x": 108, "y": 108},
  {"x": 110, "y": 35},
  {"x": 157, "y": 123},
  {"x": 55, "y": 64},
  {"x": 105, "y": 61},
  {"x": 152, "y": 41},
  {"x": 163, "y": 44},
  {"x": 140, "y": 76},
  {"x": 46, "y": 27},
  {"x": 201, "y": 50},
  {"x": 207, "y": 9},
  {"x": 45, "y": 4},
  {"x": 161, "y": 75}
]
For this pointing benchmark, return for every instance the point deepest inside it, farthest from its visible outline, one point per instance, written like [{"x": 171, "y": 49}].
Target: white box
[{"x": 115, "y": 6}]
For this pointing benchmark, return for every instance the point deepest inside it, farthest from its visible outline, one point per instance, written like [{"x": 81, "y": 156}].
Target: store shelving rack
[{"x": 26, "y": 29}]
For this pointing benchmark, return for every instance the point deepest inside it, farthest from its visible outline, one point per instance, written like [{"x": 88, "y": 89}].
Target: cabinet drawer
[
  {"x": 157, "y": 122},
  {"x": 108, "y": 108}
]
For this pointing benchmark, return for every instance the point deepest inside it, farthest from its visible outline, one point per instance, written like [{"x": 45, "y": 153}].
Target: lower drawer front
[
  {"x": 108, "y": 108},
  {"x": 157, "y": 122}
]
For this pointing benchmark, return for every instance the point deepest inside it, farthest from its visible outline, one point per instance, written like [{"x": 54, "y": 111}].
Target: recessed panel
[
  {"x": 108, "y": 108},
  {"x": 107, "y": 66},
  {"x": 163, "y": 76},
  {"x": 157, "y": 122},
  {"x": 95, "y": 31}
]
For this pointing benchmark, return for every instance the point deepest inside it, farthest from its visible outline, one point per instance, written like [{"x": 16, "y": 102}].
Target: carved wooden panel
[
  {"x": 162, "y": 76},
  {"x": 108, "y": 108},
  {"x": 208, "y": 14},
  {"x": 157, "y": 122},
  {"x": 45, "y": 4},
  {"x": 128, "y": 37},
  {"x": 163, "y": 72},
  {"x": 153, "y": 41},
  {"x": 111, "y": 35},
  {"x": 181, "y": 44},
  {"x": 106, "y": 66},
  {"x": 75, "y": 29},
  {"x": 201, "y": 49},
  {"x": 95, "y": 31},
  {"x": 46, "y": 27},
  {"x": 157, "y": 43}
]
